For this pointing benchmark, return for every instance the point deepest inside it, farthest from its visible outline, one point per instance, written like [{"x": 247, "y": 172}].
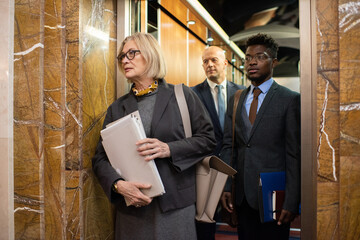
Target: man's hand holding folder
[
  {"x": 270, "y": 183},
  {"x": 286, "y": 217},
  {"x": 281, "y": 215}
]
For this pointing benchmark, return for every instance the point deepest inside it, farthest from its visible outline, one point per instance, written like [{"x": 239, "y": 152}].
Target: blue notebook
[{"x": 269, "y": 182}]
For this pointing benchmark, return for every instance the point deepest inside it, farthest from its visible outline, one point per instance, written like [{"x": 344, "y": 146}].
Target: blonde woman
[{"x": 172, "y": 215}]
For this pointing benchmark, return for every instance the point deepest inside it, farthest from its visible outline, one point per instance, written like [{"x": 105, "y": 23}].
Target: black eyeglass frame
[
  {"x": 129, "y": 55},
  {"x": 258, "y": 57}
]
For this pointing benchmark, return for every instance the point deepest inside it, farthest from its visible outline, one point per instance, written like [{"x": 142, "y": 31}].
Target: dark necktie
[
  {"x": 221, "y": 106},
  {"x": 253, "y": 106}
]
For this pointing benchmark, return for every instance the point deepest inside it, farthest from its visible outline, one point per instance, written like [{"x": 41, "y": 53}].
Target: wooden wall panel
[
  {"x": 228, "y": 55},
  {"x": 143, "y": 20},
  {"x": 196, "y": 71},
  {"x": 198, "y": 28},
  {"x": 238, "y": 74},
  {"x": 176, "y": 8},
  {"x": 217, "y": 40},
  {"x": 173, "y": 45}
]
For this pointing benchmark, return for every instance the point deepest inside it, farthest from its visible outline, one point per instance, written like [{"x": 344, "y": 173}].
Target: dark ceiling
[{"x": 279, "y": 18}]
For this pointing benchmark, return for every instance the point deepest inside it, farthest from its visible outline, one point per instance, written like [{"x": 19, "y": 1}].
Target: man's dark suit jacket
[
  {"x": 273, "y": 145},
  {"x": 178, "y": 171},
  {"x": 204, "y": 93}
]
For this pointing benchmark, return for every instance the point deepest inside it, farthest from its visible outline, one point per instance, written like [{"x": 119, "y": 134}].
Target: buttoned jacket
[
  {"x": 273, "y": 145},
  {"x": 204, "y": 93}
]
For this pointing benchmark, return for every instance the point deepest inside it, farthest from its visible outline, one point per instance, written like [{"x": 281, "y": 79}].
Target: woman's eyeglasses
[{"x": 129, "y": 55}]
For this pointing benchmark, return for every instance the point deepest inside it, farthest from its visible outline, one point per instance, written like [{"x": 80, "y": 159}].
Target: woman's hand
[
  {"x": 153, "y": 148},
  {"x": 131, "y": 191}
]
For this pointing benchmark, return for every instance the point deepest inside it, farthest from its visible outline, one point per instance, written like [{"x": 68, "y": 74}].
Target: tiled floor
[{"x": 224, "y": 232}]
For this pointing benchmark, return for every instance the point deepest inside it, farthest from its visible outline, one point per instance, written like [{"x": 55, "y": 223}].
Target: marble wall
[
  {"x": 349, "y": 72},
  {"x": 338, "y": 104},
  {"x": 6, "y": 119},
  {"x": 64, "y": 79}
]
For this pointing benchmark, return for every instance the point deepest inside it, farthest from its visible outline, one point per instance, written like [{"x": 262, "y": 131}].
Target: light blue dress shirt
[{"x": 264, "y": 87}]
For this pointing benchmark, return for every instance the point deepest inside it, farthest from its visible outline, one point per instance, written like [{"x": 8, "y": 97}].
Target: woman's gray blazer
[{"x": 178, "y": 171}]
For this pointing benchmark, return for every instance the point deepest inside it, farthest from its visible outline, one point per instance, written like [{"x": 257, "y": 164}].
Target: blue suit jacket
[{"x": 204, "y": 93}]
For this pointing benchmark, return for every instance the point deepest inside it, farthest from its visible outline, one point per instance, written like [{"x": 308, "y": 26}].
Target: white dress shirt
[{"x": 214, "y": 92}]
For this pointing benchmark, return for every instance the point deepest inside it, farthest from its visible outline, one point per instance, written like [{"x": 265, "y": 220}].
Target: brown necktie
[{"x": 253, "y": 106}]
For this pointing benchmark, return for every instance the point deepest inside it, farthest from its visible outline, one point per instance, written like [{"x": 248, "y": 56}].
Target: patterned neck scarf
[{"x": 151, "y": 88}]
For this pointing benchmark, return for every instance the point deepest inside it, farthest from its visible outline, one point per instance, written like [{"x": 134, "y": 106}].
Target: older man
[{"x": 214, "y": 93}]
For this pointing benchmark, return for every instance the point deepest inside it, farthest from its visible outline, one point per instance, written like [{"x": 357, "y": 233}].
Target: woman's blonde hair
[{"x": 150, "y": 49}]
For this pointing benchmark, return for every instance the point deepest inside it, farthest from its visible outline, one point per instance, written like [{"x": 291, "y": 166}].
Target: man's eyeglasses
[
  {"x": 129, "y": 55},
  {"x": 258, "y": 57}
]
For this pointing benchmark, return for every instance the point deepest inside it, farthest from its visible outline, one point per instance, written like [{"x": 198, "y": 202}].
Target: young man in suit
[
  {"x": 267, "y": 139},
  {"x": 215, "y": 102}
]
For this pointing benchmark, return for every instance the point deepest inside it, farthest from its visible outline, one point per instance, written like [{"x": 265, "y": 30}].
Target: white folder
[{"x": 119, "y": 140}]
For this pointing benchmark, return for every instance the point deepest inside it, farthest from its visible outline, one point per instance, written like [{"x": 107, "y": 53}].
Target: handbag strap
[
  {"x": 184, "y": 111},
  {"x": 236, "y": 102}
]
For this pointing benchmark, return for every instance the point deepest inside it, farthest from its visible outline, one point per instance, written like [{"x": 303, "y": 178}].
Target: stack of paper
[
  {"x": 119, "y": 140},
  {"x": 278, "y": 198}
]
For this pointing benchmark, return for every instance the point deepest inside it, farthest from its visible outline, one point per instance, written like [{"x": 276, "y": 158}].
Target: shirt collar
[
  {"x": 264, "y": 87},
  {"x": 213, "y": 85}
]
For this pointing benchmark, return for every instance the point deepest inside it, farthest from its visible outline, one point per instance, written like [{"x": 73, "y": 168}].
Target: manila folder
[{"x": 119, "y": 140}]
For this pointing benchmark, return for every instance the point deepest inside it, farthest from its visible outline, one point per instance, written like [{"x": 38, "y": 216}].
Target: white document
[{"x": 119, "y": 140}]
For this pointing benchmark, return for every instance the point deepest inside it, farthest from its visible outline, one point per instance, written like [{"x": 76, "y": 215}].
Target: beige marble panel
[
  {"x": 28, "y": 124},
  {"x": 6, "y": 109},
  {"x": 98, "y": 65},
  {"x": 54, "y": 122},
  {"x": 349, "y": 51},
  {"x": 328, "y": 118},
  {"x": 349, "y": 33},
  {"x": 73, "y": 118},
  {"x": 327, "y": 210},
  {"x": 6, "y": 220},
  {"x": 327, "y": 91},
  {"x": 349, "y": 198},
  {"x": 73, "y": 207},
  {"x": 64, "y": 79},
  {"x": 98, "y": 211},
  {"x": 73, "y": 86},
  {"x": 338, "y": 115}
]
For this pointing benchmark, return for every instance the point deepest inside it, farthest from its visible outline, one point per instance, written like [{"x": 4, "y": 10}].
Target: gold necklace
[{"x": 151, "y": 88}]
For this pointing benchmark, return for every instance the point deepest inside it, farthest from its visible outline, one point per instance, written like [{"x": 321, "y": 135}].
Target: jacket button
[{"x": 248, "y": 145}]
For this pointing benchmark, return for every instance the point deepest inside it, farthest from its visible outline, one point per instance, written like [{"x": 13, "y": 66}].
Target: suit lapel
[
  {"x": 263, "y": 107},
  {"x": 231, "y": 89},
  {"x": 209, "y": 103},
  {"x": 130, "y": 104},
  {"x": 239, "y": 113},
  {"x": 162, "y": 99}
]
